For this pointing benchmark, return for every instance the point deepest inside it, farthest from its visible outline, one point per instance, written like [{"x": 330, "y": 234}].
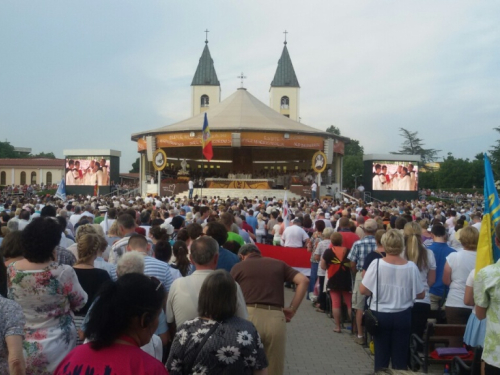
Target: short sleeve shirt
[
  {"x": 487, "y": 295},
  {"x": 11, "y": 324},
  {"x": 234, "y": 347},
  {"x": 361, "y": 249}
]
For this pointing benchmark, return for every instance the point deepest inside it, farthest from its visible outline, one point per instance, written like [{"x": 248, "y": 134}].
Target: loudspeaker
[
  {"x": 235, "y": 139},
  {"x": 328, "y": 150},
  {"x": 150, "y": 147}
]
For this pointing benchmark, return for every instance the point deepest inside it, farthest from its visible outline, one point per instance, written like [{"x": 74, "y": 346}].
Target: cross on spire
[
  {"x": 206, "y": 35},
  {"x": 242, "y": 77},
  {"x": 285, "y": 32}
]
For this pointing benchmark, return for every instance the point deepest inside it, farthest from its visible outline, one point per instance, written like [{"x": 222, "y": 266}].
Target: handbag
[
  {"x": 187, "y": 366},
  {"x": 371, "y": 321}
]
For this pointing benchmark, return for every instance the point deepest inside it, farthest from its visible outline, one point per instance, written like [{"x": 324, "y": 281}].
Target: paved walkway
[{"x": 314, "y": 349}]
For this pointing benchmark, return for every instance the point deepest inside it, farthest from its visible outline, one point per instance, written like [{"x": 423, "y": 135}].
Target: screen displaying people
[
  {"x": 88, "y": 171},
  {"x": 393, "y": 175}
]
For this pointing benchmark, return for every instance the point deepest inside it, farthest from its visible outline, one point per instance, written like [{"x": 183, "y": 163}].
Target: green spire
[
  {"x": 205, "y": 72},
  {"x": 285, "y": 74}
]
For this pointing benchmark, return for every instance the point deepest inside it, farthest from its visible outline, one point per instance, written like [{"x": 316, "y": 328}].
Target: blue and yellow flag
[
  {"x": 206, "y": 141},
  {"x": 487, "y": 250}
]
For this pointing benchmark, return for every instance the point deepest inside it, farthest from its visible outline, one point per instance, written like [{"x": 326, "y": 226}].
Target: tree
[
  {"x": 135, "y": 166},
  {"x": 413, "y": 145},
  {"x": 333, "y": 129},
  {"x": 495, "y": 156},
  {"x": 7, "y": 150}
]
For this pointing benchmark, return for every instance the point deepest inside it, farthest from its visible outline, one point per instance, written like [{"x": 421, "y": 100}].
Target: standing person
[
  {"x": 261, "y": 280},
  {"x": 396, "y": 277},
  {"x": 294, "y": 236},
  {"x": 314, "y": 188},
  {"x": 183, "y": 297},
  {"x": 424, "y": 259},
  {"x": 456, "y": 270},
  {"x": 487, "y": 299},
  {"x": 441, "y": 251},
  {"x": 48, "y": 293},
  {"x": 316, "y": 238},
  {"x": 191, "y": 188},
  {"x": 339, "y": 283},
  {"x": 229, "y": 344},
  {"x": 122, "y": 320},
  {"x": 321, "y": 272},
  {"x": 218, "y": 232},
  {"x": 359, "y": 252}
]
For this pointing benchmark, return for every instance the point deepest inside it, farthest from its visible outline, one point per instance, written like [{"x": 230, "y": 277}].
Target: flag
[
  {"x": 206, "y": 141},
  {"x": 61, "y": 191},
  {"x": 487, "y": 250},
  {"x": 105, "y": 224},
  {"x": 286, "y": 212}
]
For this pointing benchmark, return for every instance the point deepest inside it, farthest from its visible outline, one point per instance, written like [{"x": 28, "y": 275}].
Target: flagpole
[{"x": 201, "y": 181}]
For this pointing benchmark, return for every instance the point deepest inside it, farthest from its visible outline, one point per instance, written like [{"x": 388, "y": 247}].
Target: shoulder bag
[
  {"x": 371, "y": 321},
  {"x": 187, "y": 366}
]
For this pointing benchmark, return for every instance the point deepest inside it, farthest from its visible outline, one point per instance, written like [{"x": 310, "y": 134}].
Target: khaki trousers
[{"x": 271, "y": 325}]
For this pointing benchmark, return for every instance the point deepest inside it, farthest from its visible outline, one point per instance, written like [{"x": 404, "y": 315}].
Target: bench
[
  {"x": 436, "y": 335},
  {"x": 459, "y": 367}
]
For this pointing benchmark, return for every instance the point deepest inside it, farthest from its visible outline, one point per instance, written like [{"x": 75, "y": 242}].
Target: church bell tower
[
  {"x": 285, "y": 88},
  {"x": 205, "y": 88}
]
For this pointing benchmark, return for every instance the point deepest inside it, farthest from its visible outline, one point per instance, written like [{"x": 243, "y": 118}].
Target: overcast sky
[{"x": 88, "y": 74}]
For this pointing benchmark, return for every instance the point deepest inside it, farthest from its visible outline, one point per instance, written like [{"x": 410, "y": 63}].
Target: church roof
[
  {"x": 205, "y": 72},
  {"x": 240, "y": 111},
  {"x": 285, "y": 74}
]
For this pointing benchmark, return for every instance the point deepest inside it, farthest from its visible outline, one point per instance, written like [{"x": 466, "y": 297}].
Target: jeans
[
  {"x": 190, "y": 193},
  {"x": 393, "y": 340},
  {"x": 313, "y": 195},
  {"x": 312, "y": 278}
]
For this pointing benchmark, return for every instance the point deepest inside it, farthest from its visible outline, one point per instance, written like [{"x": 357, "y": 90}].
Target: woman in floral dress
[
  {"x": 217, "y": 342},
  {"x": 48, "y": 294}
]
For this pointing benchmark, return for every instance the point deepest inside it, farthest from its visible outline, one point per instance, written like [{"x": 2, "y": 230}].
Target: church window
[
  {"x": 33, "y": 178},
  {"x": 23, "y": 178},
  {"x": 285, "y": 102},
  {"x": 48, "y": 180},
  {"x": 205, "y": 101},
  {"x": 3, "y": 179}
]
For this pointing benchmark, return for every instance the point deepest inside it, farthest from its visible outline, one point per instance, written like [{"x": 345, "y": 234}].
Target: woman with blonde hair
[
  {"x": 394, "y": 284},
  {"x": 426, "y": 235},
  {"x": 425, "y": 261},
  {"x": 89, "y": 247},
  {"x": 456, "y": 270},
  {"x": 260, "y": 232}
]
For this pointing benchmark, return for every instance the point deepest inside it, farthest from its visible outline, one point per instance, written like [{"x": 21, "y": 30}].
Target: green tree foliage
[
  {"x": 412, "y": 145},
  {"x": 495, "y": 156},
  {"x": 353, "y": 159},
  {"x": 46, "y": 155},
  {"x": 135, "y": 166},
  {"x": 7, "y": 150},
  {"x": 455, "y": 173}
]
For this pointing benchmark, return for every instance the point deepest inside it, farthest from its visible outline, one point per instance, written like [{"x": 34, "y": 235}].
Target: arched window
[
  {"x": 48, "y": 180},
  {"x": 205, "y": 101},
  {"x": 285, "y": 102},
  {"x": 3, "y": 179},
  {"x": 23, "y": 178},
  {"x": 33, "y": 178}
]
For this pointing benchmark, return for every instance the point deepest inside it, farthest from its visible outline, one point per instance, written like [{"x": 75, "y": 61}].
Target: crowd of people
[{"x": 132, "y": 285}]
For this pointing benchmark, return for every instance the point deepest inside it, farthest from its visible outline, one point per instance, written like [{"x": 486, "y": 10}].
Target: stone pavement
[{"x": 314, "y": 349}]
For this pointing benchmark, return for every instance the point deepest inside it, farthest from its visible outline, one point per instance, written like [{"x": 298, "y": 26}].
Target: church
[{"x": 255, "y": 145}]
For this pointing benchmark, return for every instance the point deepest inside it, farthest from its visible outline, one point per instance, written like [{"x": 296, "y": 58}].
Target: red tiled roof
[{"x": 28, "y": 162}]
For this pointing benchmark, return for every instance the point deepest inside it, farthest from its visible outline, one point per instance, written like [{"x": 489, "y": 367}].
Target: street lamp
[{"x": 356, "y": 180}]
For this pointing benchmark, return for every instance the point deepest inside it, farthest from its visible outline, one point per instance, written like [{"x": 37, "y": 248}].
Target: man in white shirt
[
  {"x": 191, "y": 188},
  {"x": 182, "y": 302},
  {"x": 476, "y": 220},
  {"x": 294, "y": 236},
  {"x": 314, "y": 188}
]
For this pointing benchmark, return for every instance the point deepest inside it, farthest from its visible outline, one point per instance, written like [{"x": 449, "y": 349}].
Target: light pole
[{"x": 356, "y": 180}]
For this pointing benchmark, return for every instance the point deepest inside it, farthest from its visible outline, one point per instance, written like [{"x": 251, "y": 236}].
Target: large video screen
[
  {"x": 89, "y": 171},
  {"x": 394, "y": 175}
]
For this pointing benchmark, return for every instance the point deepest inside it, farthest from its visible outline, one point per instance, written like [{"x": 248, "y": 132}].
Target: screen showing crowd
[
  {"x": 393, "y": 175},
  {"x": 87, "y": 171}
]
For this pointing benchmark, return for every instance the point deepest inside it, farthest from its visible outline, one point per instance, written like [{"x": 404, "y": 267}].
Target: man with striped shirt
[{"x": 152, "y": 266}]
